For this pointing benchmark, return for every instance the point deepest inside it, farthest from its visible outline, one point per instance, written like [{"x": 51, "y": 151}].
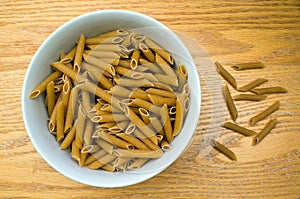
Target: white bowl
[{"x": 63, "y": 39}]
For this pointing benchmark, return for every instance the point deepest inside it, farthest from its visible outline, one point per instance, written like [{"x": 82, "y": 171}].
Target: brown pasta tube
[
  {"x": 226, "y": 75},
  {"x": 223, "y": 149},
  {"x": 248, "y": 97},
  {"x": 252, "y": 85},
  {"x": 250, "y": 65},
  {"x": 269, "y": 90},
  {"x": 265, "y": 131},
  {"x": 239, "y": 129},
  {"x": 265, "y": 113},
  {"x": 230, "y": 104}
]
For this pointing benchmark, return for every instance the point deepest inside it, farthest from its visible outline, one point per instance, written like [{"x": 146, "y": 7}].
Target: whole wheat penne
[
  {"x": 182, "y": 75},
  {"x": 111, "y": 60},
  {"x": 88, "y": 130},
  {"x": 138, "y": 153},
  {"x": 115, "y": 141},
  {"x": 118, "y": 32},
  {"x": 151, "y": 66},
  {"x": 60, "y": 121},
  {"x": 144, "y": 115},
  {"x": 180, "y": 113},
  {"x": 226, "y": 75},
  {"x": 165, "y": 118},
  {"x": 165, "y": 146},
  {"x": 248, "y": 97},
  {"x": 156, "y": 99},
  {"x": 162, "y": 86},
  {"x": 165, "y": 79},
  {"x": 102, "y": 54},
  {"x": 269, "y": 90},
  {"x": 147, "y": 52},
  {"x": 130, "y": 129},
  {"x": 66, "y": 91},
  {"x": 58, "y": 88},
  {"x": 102, "y": 161},
  {"x": 90, "y": 148},
  {"x": 81, "y": 119},
  {"x": 71, "y": 109},
  {"x": 107, "y": 47},
  {"x": 168, "y": 70},
  {"x": 52, "y": 119},
  {"x": 239, "y": 129},
  {"x": 68, "y": 138},
  {"x": 146, "y": 130},
  {"x": 249, "y": 65},
  {"x": 146, "y": 105},
  {"x": 156, "y": 124},
  {"x": 252, "y": 85},
  {"x": 138, "y": 163},
  {"x": 128, "y": 39},
  {"x": 109, "y": 167},
  {"x": 109, "y": 72},
  {"x": 265, "y": 131},
  {"x": 132, "y": 140},
  {"x": 135, "y": 59},
  {"x": 69, "y": 56},
  {"x": 95, "y": 156},
  {"x": 83, "y": 157},
  {"x": 230, "y": 104},
  {"x": 140, "y": 94},
  {"x": 172, "y": 110},
  {"x": 41, "y": 87},
  {"x": 79, "y": 53},
  {"x": 121, "y": 163},
  {"x": 133, "y": 82},
  {"x": 223, "y": 150},
  {"x": 69, "y": 72},
  {"x": 151, "y": 143},
  {"x": 97, "y": 62},
  {"x": 105, "y": 145},
  {"x": 161, "y": 92},
  {"x": 114, "y": 117},
  {"x": 50, "y": 97},
  {"x": 103, "y": 40},
  {"x": 75, "y": 153},
  {"x": 265, "y": 113},
  {"x": 159, "y": 50}
]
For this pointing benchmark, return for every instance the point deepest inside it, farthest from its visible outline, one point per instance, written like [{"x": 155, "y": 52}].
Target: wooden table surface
[{"x": 231, "y": 32}]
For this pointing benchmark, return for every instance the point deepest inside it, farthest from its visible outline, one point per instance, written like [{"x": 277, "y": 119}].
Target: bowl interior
[{"x": 63, "y": 39}]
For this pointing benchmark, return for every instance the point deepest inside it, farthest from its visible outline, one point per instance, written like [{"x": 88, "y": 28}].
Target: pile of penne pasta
[
  {"x": 256, "y": 94},
  {"x": 115, "y": 100}
]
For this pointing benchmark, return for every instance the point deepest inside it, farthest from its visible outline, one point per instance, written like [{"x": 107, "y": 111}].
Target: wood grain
[{"x": 231, "y": 32}]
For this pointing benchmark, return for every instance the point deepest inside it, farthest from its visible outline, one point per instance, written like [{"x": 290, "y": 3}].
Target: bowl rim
[{"x": 31, "y": 66}]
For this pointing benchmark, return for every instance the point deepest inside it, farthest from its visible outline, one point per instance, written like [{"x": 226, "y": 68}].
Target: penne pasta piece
[
  {"x": 165, "y": 79},
  {"x": 66, "y": 92},
  {"x": 146, "y": 105},
  {"x": 69, "y": 56},
  {"x": 52, "y": 119},
  {"x": 151, "y": 142},
  {"x": 165, "y": 118},
  {"x": 182, "y": 75},
  {"x": 265, "y": 113},
  {"x": 145, "y": 115},
  {"x": 83, "y": 157},
  {"x": 162, "y": 86},
  {"x": 221, "y": 148},
  {"x": 50, "y": 97},
  {"x": 139, "y": 94},
  {"x": 75, "y": 153},
  {"x": 226, "y": 75},
  {"x": 60, "y": 121},
  {"x": 165, "y": 146},
  {"x": 102, "y": 161},
  {"x": 108, "y": 167},
  {"x": 67, "y": 71},
  {"x": 248, "y": 97},
  {"x": 150, "y": 66},
  {"x": 88, "y": 130},
  {"x": 127, "y": 39},
  {"x": 269, "y": 90},
  {"x": 180, "y": 113},
  {"x": 121, "y": 163},
  {"x": 58, "y": 88},
  {"x": 68, "y": 138},
  {"x": 146, "y": 130},
  {"x": 239, "y": 129},
  {"x": 103, "y": 40},
  {"x": 230, "y": 104},
  {"x": 156, "y": 99},
  {"x": 168, "y": 70},
  {"x": 81, "y": 118},
  {"x": 123, "y": 125},
  {"x": 161, "y": 92},
  {"x": 135, "y": 59},
  {"x": 79, "y": 53},
  {"x": 95, "y": 156},
  {"x": 110, "y": 72},
  {"x": 115, "y": 117},
  {"x": 265, "y": 131},
  {"x": 147, "y": 52},
  {"x": 172, "y": 110},
  {"x": 121, "y": 91},
  {"x": 71, "y": 109},
  {"x": 133, "y": 82},
  {"x": 102, "y": 54},
  {"x": 252, "y": 85},
  {"x": 90, "y": 149},
  {"x": 41, "y": 87},
  {"x": 125, "y": 63},
  {"x": 138, "y": 163},
  {"x": 105, "y": 145},
  {"x": 156, "y": 124},
  {"x": 159, "y": 50},
  {"x": 115, "y": 141},
  {"x": 99, "y": 63},
  {"x": 132, "y": 140},
  {"x": 130, "y": 129},
  {"x": 137, "y": 153},
  {"x": 250, "y": 65},
  {"x": 118, "y": 32},
  {"x": 107, "y": 47}
]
